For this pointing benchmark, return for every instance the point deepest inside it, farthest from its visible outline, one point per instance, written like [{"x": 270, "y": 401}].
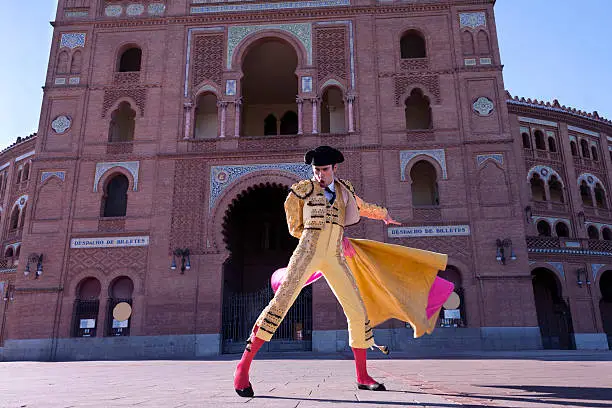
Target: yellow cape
[{"x": 394, "y": 282}]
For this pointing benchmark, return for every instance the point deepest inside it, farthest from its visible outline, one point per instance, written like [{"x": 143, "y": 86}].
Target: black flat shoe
[
  {"x": 246, "y": 392},
  {"x": 372, "y": 387}
]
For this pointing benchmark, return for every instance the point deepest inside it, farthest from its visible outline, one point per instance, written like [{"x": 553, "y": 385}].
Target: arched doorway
[
  {"x": 256, "y": 234},
  {"x": 269, "y": 88},
  {"x": 554, "y": 316},
  {"x": 605, "y": 304},
  {"x": 120, "y": 291},
  {"x": 455, "y": 317},
  {"x": 86, "y": 307}
]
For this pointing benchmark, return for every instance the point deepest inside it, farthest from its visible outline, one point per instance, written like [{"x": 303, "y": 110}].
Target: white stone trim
[
  {"x": 583, "y": 131},
  {"x": 102, "y": 168},
  {"x": 25, "y": 155},
  {"x": 537, "y": 121}
]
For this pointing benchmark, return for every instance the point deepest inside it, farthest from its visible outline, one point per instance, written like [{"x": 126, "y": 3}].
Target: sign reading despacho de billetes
[
  {"x": 109, "y": 242},
  {"x": 429, "y": 231}
]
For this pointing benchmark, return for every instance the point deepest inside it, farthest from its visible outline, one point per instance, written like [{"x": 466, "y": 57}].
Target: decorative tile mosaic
[
  {"x": 48, "y": 174},
  {"x": 485, "y": 61},
  {"x": 583, "y": 131},
  {"x": 269, "y": 6},
  {"x": 544, "y": 172},
  {"x": 302, "y": 31},
  {"x": 72, "y": 40},
  {"x": 76, "y": 14},
  {"x": 438, "y": 155},
  {"x": 230, "y": 87},
  {"x": 483, "y": 106},
  {"x": 568, "y": 251},
  {"x": 591, "y": 180},
  {"x": 21, "y": 201},
  {"x": 102, "y": 168},
  {"x": 537, "y": 121},
  {"x": 306, "y": 84},
  {"x": 498, "y": 157},
  {"x": 60, "y": 81},
  {"x": 559, "y": 267},
  {"x": 473, "y": 20},
  {"x": 156, "y": 9},
  {"x": 135, "y": 10},
  {"x": 469, "y": 61},
  {"x": 61, "y": 124},
  {"x": 595, "y": 268},
  {"x": 74, "y": 81},
  {"x": 572, "y": 137},
  {"x": 222, "y": 177},
  {"x": 113, "y": 10}
]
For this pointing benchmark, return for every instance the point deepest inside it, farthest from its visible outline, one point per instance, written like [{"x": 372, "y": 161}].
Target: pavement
[{"x": 306, "y": 380}]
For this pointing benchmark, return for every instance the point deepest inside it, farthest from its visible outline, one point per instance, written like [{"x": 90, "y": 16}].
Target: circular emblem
[
  {"x": 156, "y": 9},
  {"x": 122, "y": 311},
  {"x": 590, "y": 179},
  {"x": 544, "y": 172},
  {"x": 222, "y": 176},
  {"x": 61, "y": 124},
  {"x": 452, "y": 302},
  {"x": 483, "y": 106},
  {"x": 22, "y": 201}
]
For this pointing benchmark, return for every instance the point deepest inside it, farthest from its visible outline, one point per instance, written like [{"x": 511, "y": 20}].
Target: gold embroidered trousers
[{"x": 319, "y": 250}]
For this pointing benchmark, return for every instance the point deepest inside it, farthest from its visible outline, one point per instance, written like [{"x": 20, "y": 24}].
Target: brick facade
[{"x": 178, "y": 193}]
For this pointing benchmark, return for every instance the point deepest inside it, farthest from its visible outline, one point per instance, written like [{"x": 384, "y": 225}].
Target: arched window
[
  {"x": 15, "y": 215},
  {"x": 538, "y": 192},
  {"x": 120, "y": 291},
  {"x": 86, "y": 307},
  {"x": 424, "y": 184},
  {"x": 574, "y": 148},
  {"x": 130, "y": 60},
  {"x": 332, "y": 111},
  {"x": 75, "y": 66},
  {"x": 562, "y": 230},
  {"x": 556, "y": 190},
  {"x": 593, "y": 232},
  {"x": 62, "y": 63},
  {"x": 22, "y": 218},
  {"x": 115, "y": 197},
  {"x": 552, "y": 146},
  {"x": 585, "y": 194},
  {"x": 483, "y": 43},
  {"x": 606, "y": 234},
  {"x": 206, "y": 122},
  {"x": 8, "y": 252},
  {"x": 452, "y": 274},
  {"x": 467, "y": 43},
  {"x": 19, "y": 174},
  {"x": 585, "y": 149},
  {"x": 26, "y": 172},
  {"x": 270, "y": 125},
  {"x": 418, "y": 111},
  {"x": 594, "y": 153},
  {"x": 289, "y": 123},
  {"x": 122, "y": 124},
  {"x": 600, "y": 196},
  {"x": 526, "y": 141},
  {"x": 539, "y": 139},
  {"x": 412, "y": 45},
  {"x": 544, "y": 229}
]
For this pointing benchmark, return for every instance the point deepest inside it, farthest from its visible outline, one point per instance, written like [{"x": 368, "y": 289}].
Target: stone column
[
  {"x": 187, "y": 106},
  {"x": 237, "y": 119},
  {"x": 350, "y": 99},
  {"x": 223, "y": 106},
  {"x": 315, "y": 115},
  {"x": 300, "y": 103}
]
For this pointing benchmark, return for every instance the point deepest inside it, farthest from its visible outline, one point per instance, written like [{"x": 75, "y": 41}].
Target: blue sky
[{"x": 551, "y": 49}]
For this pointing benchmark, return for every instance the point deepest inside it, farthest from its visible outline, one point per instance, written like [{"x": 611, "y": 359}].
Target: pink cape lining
[{"x": 438, "y": 294}]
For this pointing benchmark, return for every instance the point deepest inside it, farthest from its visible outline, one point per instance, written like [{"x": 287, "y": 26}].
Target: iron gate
[{"x": 240, "y": 311}]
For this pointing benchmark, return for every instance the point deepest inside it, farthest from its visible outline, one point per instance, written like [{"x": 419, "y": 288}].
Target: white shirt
[{"x": 329, "y": 195}]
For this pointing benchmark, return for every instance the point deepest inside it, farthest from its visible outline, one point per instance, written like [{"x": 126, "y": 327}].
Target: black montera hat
[{"x": 323, "y": 156}]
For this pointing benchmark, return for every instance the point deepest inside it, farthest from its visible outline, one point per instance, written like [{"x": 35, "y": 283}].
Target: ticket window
[{"x": 86, "y": 307}]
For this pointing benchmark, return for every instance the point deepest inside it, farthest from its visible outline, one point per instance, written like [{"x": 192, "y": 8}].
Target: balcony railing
[
  {"x": 111, "y": 224},
  {"x": 596, "y": 212},
  {"x": 427, "y": 213},
  {"x": 415, "y": 64},
  {"x": 126, "y": 78},
  {"x": 8, "y": 264},
  {"x": 587, "y": 163},
  {"x": 542, "y": 154},
  {"x": 120, "y": 147},
  {"x": 572, "y": 246}
]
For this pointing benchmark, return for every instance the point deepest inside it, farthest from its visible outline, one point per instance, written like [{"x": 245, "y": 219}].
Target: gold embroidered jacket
[{"x": 306, "y": 207}]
